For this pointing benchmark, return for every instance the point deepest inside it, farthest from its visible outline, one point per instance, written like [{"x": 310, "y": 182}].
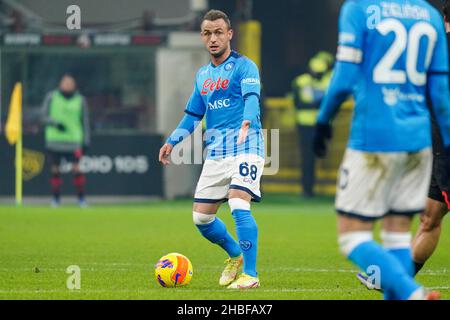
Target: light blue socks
[
  {"x": 247, "y": 233},
  {"x": 213, "y": 229}
]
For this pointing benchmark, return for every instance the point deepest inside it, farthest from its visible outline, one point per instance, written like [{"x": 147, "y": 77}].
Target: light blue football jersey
[
  {"x": 219, "y": 94},
  {"x": 397, "y": 43}
]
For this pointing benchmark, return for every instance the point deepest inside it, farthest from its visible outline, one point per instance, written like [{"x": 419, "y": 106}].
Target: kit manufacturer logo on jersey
[
  {"x": 209, "y": 85},
  {"x": 229, "y": 66}
]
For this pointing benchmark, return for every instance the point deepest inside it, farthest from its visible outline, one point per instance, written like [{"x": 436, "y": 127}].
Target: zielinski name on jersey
[{"x": 395, "y": 10}]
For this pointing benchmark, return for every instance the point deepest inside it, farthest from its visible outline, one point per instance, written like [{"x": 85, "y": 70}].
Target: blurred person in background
[
  {"x": 148, "y": 20},
  {"x": 438, "y": 202},
  {"x": 65, "y": 117},
  {"x": 308, "y": 90}
]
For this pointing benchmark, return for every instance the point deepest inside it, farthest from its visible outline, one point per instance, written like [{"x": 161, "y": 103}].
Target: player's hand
[
  {"x": 60, "y": 127},
  {"x": 243, "y": 131},
  {"x": 321, "y": 135},
  {"x": 164, "y": 153}
]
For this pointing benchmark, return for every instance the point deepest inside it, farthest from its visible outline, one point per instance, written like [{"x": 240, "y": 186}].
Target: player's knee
[
  {"x": 238, "y": 204},
  {"x": 350, "y": 240},
  {"x": 202, "y": 218},
  {"x": 394, "y": 240}
]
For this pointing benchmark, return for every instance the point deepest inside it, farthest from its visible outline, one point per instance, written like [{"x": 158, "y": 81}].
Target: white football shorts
[
  {"x": 372, "y": 185},
  {"x": 242, "y": 172}
]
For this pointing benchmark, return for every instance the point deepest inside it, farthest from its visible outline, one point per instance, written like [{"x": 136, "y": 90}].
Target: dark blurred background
[
  {"x": 135, "y": 63},
  {"x": 292, "y": 32}
]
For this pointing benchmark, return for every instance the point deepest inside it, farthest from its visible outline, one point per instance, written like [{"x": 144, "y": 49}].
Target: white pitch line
[
  {"x": 81, "y": 291},
  {"x": 180, "y": 291},
  {"x": 42, "y": 269},
  {"x": 203, "y": 268}
]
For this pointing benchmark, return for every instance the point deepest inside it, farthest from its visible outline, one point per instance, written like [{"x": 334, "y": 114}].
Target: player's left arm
[
  {"x": 346, "y": 71},
  {"x": 251, "y": 90}
]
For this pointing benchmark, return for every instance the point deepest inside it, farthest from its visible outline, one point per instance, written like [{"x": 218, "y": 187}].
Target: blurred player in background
[
  {"x": 226, "y": 93},
  {"x": 390, "y": 56},
  {"x": 66, "y": 121},
  {"x": 308, "y": 90},
  {"x": 438, "y": 203}
]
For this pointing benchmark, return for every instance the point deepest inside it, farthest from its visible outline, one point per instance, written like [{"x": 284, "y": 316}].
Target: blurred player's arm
[
  {"x": 346, "y": 72},
  {"x": 195, "y": 109},
  {"x": 251, "y": 90},
  {"x": 341, "y": 86}
]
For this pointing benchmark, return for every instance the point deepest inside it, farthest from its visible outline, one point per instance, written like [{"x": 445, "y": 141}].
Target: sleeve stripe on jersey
[
  {"x": 349, "y": 54},
  {"x": 193, "y": 114},
  {"x": 251, "y": 94}
]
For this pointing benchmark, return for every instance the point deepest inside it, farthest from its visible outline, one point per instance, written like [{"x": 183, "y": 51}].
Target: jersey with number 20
[{"x": 397, "y": 44}]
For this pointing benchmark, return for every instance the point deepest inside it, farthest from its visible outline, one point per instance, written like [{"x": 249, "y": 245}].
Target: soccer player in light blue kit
[
  {"x": 391, "y": 55},
  {"x": 226, "y": 93}
]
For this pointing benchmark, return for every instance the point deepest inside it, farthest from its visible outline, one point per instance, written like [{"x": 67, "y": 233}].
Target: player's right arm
[
  {"x": 195, "y": 109},
  {"x": 346, "y": 72}
]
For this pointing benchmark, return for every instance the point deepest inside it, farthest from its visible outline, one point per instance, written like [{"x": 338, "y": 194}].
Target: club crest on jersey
[
  {"x": 229, "y": 66},
  {"x": 209, "y": 85}
]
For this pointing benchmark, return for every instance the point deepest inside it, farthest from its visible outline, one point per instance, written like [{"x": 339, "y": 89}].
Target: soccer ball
[{"x": 173, "y": 270}]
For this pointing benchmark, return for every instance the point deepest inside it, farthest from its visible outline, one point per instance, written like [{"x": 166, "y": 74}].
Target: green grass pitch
[{"x": 117, "y": 246}]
